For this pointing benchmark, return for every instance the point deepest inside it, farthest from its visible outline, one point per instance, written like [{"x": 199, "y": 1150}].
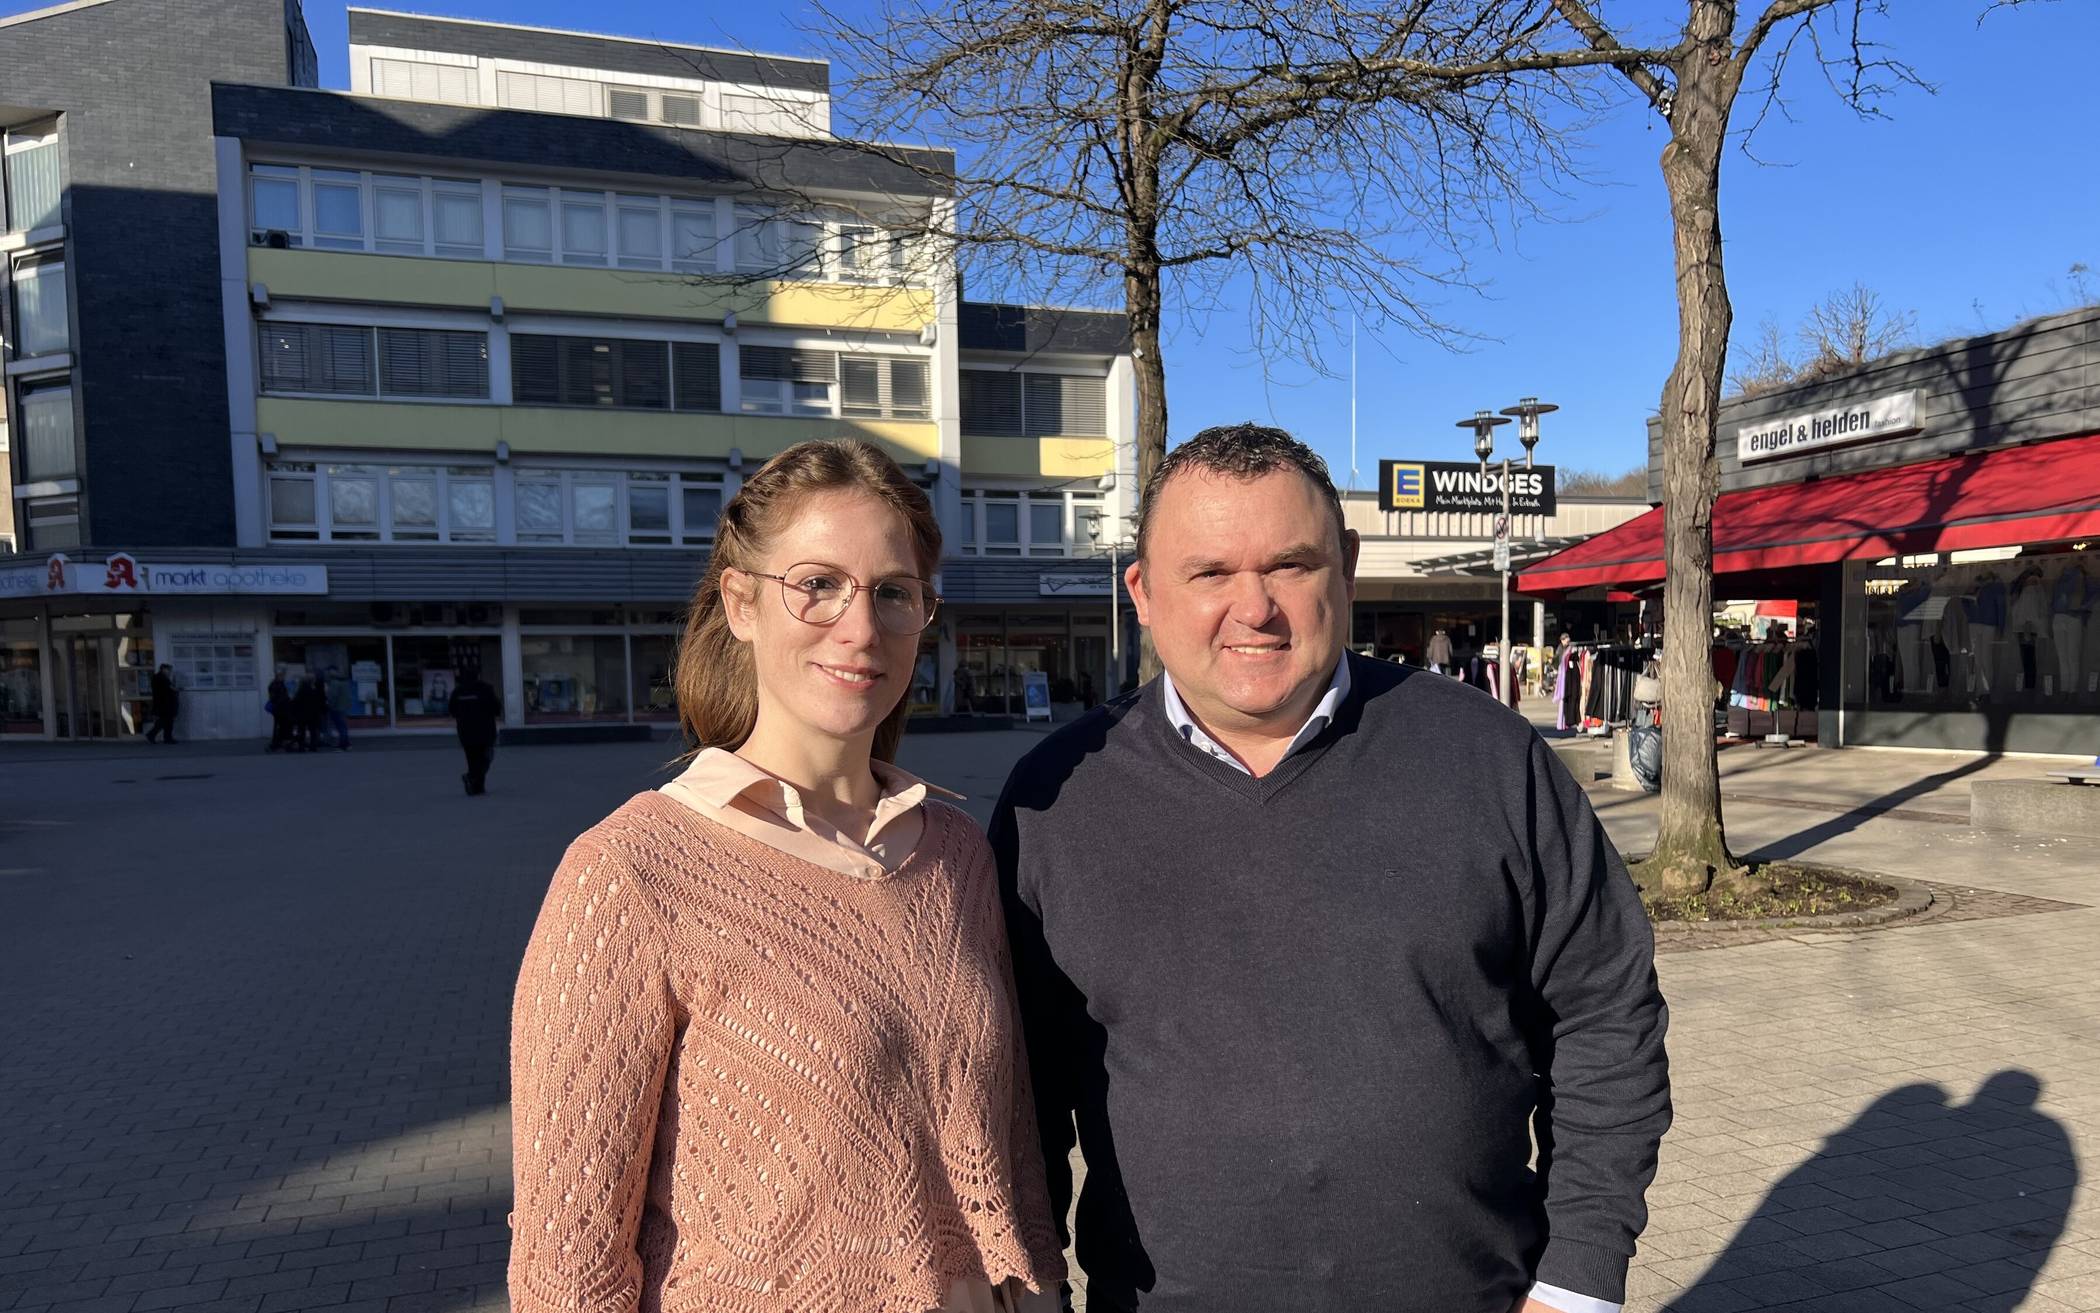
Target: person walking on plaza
[
  {"x": 764, "y": 1049},
  {"x": 166, "y": 705},
  {"x": 1310, "y": 946},
  {"x": 309, "y": 710},
  {"x": 279, "y": 706},
  {"x": 476, "y": 708},
  {"x": 336, "y": 697}
]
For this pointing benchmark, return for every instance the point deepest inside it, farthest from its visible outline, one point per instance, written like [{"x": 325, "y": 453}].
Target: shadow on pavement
[
  {"x": 1920, "y": 1203},
  {"x": 1852, "y": 818}
]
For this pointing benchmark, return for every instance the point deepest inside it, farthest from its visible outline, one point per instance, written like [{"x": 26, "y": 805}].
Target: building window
[
  {"x": 273, "y": 204},
  {"x": 640, "y": 228},
  {"x": 46, "y": 416},
  {"x": 333, "y": 359},
  {"x": 991, "y": 403},
  {"x": 696, "y": 376},
  {"x": 693, "y": 237},
  {"x": 548, "y": 95},
  {"x": 590, "y": 371},
  {"x": 1009, "y": 404},
  {"x": 681, "y": 111},
  {"x": 784, "y": 381},
  {"x": 290, "y": 205},
  {"x": 403, "y": 79},
  {"x": 759, "y": 240},
  {"x": 34, "y": 180},
  {"x": 52, "y": 522},
  {"x": 584, "y": 236},
  {"x": 433, "y": 362},
  {"x": 372, "y": 503},
  {"x": 578, "y": 507},
  {"x": 338, "y": 210},
  {"x": 528, "y": 225},
  {"x": 870, "y": 254},
  {"x": 41, "y": 326},
  {"x": 1046, "y": 523},
  {"x": 700, "y": 506},
  {"x": 883, "y": 387},
  {"x": 338, "y": 360},
  {"x": 628, "y": 103}
]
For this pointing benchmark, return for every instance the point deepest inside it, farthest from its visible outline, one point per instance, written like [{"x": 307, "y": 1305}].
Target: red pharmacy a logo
[{"x": 123, "y": 574}]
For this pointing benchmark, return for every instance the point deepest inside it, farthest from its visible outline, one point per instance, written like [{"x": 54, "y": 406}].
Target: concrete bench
[{"x": 2037, "y": 806}]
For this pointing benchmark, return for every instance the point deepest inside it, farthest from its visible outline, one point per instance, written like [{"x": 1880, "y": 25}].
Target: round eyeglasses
[{"x": 819, "y": 595}]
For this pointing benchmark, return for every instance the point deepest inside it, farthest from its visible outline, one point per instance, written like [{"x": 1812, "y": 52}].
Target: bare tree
[
  {"x": 1692, "y": 81},
  {"x": 1596, "y": 483},
  {"x": 1845, "y": 330},
  {"x": 1766, "y": 366},
  {"x": 1159, "y": 147}
]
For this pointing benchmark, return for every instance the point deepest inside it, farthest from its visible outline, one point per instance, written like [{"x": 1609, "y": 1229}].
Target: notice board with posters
[{"x": 1458, "y": 485}]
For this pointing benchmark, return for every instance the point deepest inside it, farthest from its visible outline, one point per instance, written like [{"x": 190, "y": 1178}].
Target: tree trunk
[
  {"x": 1691, "y": 849},
  {"x": 1142, "y": 291}
]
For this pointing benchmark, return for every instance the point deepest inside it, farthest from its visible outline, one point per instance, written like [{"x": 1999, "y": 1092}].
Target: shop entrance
[{"x": 103, "y": 687}]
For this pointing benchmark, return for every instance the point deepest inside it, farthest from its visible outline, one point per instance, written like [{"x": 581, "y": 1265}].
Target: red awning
[{"x": 2018, "y": 495}]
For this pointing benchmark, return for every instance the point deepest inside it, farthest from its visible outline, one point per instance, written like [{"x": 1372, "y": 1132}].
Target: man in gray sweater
[{"x": 1313, "y": 950}]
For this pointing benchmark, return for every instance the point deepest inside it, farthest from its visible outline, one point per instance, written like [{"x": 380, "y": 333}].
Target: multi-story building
[{"x": 458, "y": 367}]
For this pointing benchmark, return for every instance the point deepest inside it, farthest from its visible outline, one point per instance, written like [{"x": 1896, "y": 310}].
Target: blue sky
[{"x": 1966, "y": 207}]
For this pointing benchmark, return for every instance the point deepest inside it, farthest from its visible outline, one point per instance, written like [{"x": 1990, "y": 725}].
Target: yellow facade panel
[
  {"x": 548, "y": 430},
  {"x": 1024, "y": 458},
  {"x": 379, "y": 279}
]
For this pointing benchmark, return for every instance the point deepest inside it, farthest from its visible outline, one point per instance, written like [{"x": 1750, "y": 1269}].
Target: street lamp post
[
  {"x": 1483, "y": 423},
  {"x": 1114, "y": 685}
]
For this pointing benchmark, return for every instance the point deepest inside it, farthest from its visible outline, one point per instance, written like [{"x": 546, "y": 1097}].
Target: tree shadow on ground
[{"x": 1920, "y": 1203}]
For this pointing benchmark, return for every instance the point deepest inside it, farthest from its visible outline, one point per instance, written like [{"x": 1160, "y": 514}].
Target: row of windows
[
  {"x": 997, "y": 403},
  {"x": 401, "y": 214},
  {"x": 1047, "y": 523},
  {"x": 355, "y": 502},
  {"x": 553, "y": 94},
  {"x": 567, "y": 370},
  {"x": 315, "y": 502}
]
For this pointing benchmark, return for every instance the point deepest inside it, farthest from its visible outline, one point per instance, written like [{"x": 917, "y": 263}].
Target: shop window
[
  {"x": 213, "y": 662},
  {"x": 2003, "y": 635},
  {"x": 652, "y": 669},
  {"x": 426, "y": 669},
  {"x": 358, "y": 661},
  {"x": 574, "y": 677},
  {"x": 21, "y": 678}
]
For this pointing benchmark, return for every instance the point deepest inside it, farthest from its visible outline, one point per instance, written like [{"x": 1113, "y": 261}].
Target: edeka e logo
[{"x": 1405, "y": 486}]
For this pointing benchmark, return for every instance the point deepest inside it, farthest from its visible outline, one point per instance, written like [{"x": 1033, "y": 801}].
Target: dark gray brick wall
[{"x": 132, "y": 80}]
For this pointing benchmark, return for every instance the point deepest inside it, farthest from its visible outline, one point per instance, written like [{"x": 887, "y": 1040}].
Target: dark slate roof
[
  {"x": 379, "y": 27},
  {"x": 336, "y": 121},
  {"x": 1034, "y": 329}
]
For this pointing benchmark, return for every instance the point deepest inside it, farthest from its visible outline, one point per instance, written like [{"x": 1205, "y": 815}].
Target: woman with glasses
[{"x": 764, "y": 1047}]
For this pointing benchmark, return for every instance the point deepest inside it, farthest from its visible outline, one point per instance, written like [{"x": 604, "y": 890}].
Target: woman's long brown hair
[{"x": 716, "y": 683}]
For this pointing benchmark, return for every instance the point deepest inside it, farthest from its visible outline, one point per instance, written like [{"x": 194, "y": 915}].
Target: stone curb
[{"x": 1913, "y": 901}]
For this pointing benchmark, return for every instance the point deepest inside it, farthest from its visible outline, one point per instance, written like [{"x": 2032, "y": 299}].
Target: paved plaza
[{"x": 252, "y": 1057}]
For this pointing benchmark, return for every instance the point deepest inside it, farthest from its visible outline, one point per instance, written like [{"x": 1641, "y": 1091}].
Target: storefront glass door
[{"x": 87, "y": 688}]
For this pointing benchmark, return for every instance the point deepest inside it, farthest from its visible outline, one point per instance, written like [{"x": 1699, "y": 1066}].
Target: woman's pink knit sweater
[{"x": 744, "y": 1082}]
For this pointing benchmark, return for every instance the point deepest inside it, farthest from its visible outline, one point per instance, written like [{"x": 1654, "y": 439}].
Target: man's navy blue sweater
[{"x": 1306, "y": 1024}]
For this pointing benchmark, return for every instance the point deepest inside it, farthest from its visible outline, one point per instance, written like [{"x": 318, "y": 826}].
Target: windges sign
[
  {"x": 1454, "y": 485},
  {"x": 1882, "y": 417}
]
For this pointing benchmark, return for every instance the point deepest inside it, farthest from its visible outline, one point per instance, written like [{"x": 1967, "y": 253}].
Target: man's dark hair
[{"x": 1239, "y": 451}]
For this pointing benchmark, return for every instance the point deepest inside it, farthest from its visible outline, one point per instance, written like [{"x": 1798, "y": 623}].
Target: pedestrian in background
[
  {"x": 282, "y": 735},
  {"x": 309, "y": 709},
  {"x": 764, "y": 1052},
  {"x": 337, "y": 700},
  {"x": 167, "y": 704},
  {"x": 476, "y": 709}
]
